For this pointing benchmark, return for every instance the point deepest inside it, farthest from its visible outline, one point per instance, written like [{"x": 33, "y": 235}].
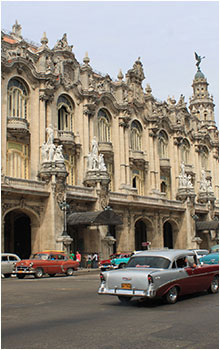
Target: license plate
[
  {"x": 20, "y": 271},
  {"x": 126, "y": 285}
]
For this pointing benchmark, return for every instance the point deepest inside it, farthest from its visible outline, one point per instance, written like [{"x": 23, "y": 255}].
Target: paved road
[{"x": 67, "y": 313}]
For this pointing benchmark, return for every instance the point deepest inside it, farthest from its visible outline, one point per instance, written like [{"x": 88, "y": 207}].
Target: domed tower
[{"x": 201, "y": 103}]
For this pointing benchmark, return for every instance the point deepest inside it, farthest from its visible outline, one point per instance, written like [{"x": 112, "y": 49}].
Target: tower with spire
[{"x": 201, "y": 103}]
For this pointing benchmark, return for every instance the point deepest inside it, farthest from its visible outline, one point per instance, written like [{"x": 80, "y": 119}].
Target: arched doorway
[
  {"x": 140, "y": 235},
  {"x": 168, "y": 235},
  {"x": 17, "y": 234}
]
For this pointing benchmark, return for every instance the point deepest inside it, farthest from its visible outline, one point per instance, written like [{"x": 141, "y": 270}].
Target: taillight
[
  {"x": 102, "y": 278},
  {"x": 150, "y": 279}
]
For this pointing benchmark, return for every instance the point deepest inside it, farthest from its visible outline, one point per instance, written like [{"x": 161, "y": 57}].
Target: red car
[{"x": 48, "y": 262}]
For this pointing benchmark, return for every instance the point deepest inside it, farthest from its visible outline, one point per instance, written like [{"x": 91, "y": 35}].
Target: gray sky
[{"x": 164, "y": 34}]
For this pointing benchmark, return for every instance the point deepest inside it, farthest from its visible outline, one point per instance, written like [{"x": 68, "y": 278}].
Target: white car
[{"x": 8, "y": 262}]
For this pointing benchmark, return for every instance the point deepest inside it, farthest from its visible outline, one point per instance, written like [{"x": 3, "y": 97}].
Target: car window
[
  {"x": 40, "y": 256},
  {"x": 4, "y": 258},
  {"x": 61, "y": 257},
  {"x": 181, "y": 262},
  {"x": 149, "y": 261},
  {"x": 13, "y": 258},
  {"x": 52, "y": 257}
]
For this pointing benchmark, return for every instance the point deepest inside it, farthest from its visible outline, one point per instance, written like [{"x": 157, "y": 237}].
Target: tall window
[
  {"x": 104, "y": 126},
  {"x": 17, "y": 99},
  {"x": 136, "y": 133},
  {"x": 17, "y": 160},
  {"x": 185, "y": 149},
  {"x": 204, "y": 157},
  {"x": 70, "y": 167},
  {"x": 163, "y": 144},
  {"x": 109, "y": 167},
  {"x": 65, "y": 111}
]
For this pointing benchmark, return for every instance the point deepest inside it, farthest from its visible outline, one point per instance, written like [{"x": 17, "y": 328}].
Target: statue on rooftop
[{"x": 198, "y": 59}]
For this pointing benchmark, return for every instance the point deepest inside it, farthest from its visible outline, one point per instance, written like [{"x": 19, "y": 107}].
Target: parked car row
[{"x": 49, "y": 262}]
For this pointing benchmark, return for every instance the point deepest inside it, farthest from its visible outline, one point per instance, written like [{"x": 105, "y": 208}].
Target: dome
[{"x": 199, "y": 75}]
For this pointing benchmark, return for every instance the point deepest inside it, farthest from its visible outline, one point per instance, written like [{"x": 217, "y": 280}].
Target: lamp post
[{"x": 64, "y": 206}]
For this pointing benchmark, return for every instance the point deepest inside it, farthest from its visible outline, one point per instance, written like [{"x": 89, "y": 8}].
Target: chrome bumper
[{"x": 149, "y": 293}]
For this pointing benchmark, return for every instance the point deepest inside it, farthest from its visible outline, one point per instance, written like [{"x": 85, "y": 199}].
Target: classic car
[
  {"x": 163, "y": 273},
  {"x": 48, "y": 262},
  {"x": 118, "y": 260},
  {"x": 211, "y": 258},
  {"x": 214, "y": 248},
  {"x": 200, "y": 252},
  {"x": 8, "y": 262}
]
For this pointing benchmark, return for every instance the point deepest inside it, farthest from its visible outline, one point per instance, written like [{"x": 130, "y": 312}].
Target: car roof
[
  {"x": 11, "y": 254},
  {"x": 166, "y": 253}
]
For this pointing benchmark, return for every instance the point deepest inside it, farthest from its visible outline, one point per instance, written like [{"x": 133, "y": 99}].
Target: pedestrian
[
  {"x": 95, "y": 261},
  {"x": 78, "y": 258},
  {"x": 89, "y": 261},
  {"x": 72, "y": 255}
]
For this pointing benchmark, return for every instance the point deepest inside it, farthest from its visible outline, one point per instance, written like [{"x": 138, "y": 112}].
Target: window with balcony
[
  {"x": 136, "y": 135},
  {"x": 17, "y": 106},
  {"x": 104, "y": 126},
  {"x": 17, "y": 160},
  {"x": 65, "y": 113}
]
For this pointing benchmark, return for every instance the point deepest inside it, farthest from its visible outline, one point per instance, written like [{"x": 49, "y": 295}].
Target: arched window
[
  {"x": 104, "y": 126},
  {"x": 204, "y": 157},
  {"x": 17, "y": 99},
  {"x": 163, "y": 144},
  {"x": 65, "y": 111},
  {"x": 17, "y": 160},
  {"x": 185, "y": 149},
  {"x": 136, "y": 134}
]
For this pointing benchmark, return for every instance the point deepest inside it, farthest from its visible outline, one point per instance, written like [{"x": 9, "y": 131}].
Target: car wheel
[
  {"x": 20, "y": 276},
  {"x": 214, "y": 285},
  {"x": 122, "y": 266},
  {"x": 39, "y": 272},
  {"x": 171, "y": 296},
  {"x": 124, "y": 300},
  {"x": 70, "y": 271},
  {"x": 7, "y": 275}
]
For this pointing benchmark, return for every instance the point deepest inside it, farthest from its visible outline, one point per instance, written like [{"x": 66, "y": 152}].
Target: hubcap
[
  {"x": 215, "y": 285},
  {"x": 173, "y": 294}
]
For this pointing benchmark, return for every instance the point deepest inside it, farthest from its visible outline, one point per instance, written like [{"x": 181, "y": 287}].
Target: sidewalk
[{"x": 84, "y": 271}]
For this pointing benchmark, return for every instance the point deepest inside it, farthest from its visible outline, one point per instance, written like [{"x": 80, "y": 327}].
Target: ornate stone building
[{"x": 98, "y": 165}]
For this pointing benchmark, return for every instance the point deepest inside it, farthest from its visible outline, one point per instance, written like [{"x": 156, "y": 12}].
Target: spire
[
  {"x": 201, "y": 103},
  {"x": 16, "y": 30},
  {"x": 44, "y": 40}
]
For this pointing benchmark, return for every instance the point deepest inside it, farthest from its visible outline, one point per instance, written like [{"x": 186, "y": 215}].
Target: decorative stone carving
[{"x": 62, "y": 44}]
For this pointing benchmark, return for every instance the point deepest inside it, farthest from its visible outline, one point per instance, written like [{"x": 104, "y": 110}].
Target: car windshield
[
  {"x": 40, "y": 256},
  {"x": 149, "y": 261}
]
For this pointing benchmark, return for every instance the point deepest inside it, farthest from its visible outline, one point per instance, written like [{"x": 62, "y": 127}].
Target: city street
[{"x": 67, "y": 313}]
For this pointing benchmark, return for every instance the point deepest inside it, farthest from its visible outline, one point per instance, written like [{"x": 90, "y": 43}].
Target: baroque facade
[{"x": 98, "y": 165}]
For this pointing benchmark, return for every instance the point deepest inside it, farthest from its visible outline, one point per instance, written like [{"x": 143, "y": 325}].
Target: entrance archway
[
  {"x": 17, "y": 234},
  {"x": 140, "y": 235},
  {"x": 168, "y": 235}
]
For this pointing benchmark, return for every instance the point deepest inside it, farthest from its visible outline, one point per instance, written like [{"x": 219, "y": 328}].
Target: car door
[
  {"x": 5, "y": 268},
  {"x": 12, "y": 261},
  {"x": 52, "y": 264}
]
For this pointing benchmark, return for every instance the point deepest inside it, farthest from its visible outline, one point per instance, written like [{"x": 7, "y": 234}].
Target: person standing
[
  {"x": 72, "y": 255},
  {"x": 95, "y": 261},
  {"x": 89, "y": 261},
  {"x": 78, "y": 258}
]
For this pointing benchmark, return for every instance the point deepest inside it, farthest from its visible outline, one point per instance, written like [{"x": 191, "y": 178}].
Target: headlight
[{"x": 31, "y": 264}]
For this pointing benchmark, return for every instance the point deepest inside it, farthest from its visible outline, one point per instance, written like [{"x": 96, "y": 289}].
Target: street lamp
[{"x": 64, "y": 206}]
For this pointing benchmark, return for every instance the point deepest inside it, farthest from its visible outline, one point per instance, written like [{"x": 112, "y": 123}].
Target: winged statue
[{"x": 198, "y": 59}]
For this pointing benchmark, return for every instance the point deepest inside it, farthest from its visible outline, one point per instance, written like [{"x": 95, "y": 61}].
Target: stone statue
[
  {"x": 185, "y": 180},
  {"x": 44, "y": 152},
  {"x": 58, "y": 153},
  {"x": 50, "y": 134},
  {"x": 102, "y": 166},
  {"x": 52, "y": 148},
  {"x": 198, "y": 59},
  {"x": 95, "y": 161}
]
